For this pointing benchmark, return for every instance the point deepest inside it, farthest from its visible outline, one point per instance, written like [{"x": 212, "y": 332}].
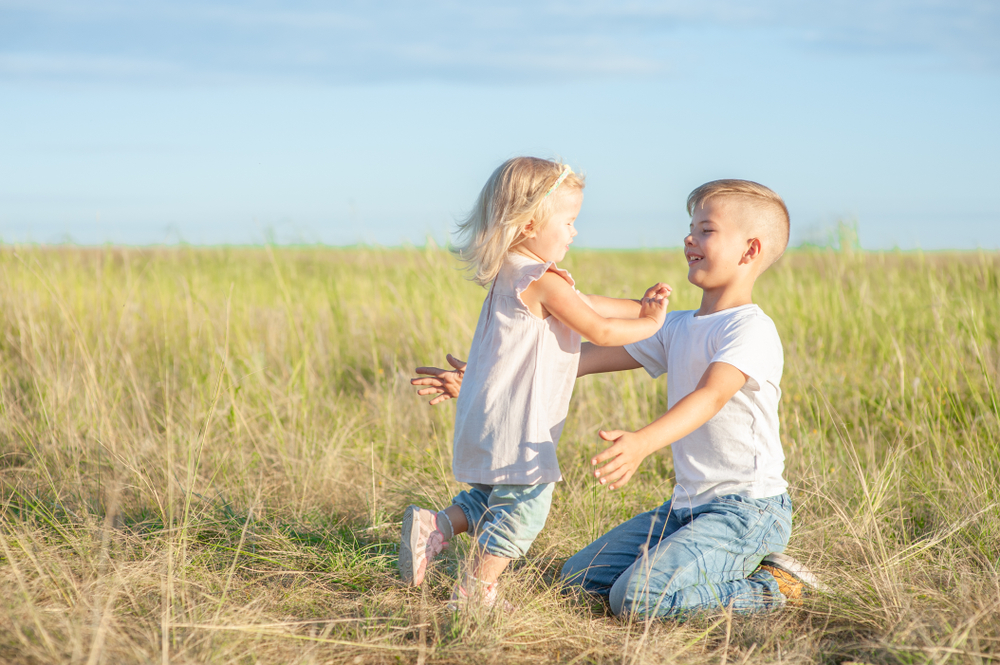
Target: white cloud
[
  {"x": 76, "y": 65},
  {"x": 397, "y": 40}
]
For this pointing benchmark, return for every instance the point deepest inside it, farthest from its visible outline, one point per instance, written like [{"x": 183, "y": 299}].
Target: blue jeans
[
  {"x": 676, "y": 562},
  {"x": 506, "y": 519}
]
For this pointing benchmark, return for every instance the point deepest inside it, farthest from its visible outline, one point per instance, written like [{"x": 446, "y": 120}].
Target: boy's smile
[{"x": 716, "y": 244}]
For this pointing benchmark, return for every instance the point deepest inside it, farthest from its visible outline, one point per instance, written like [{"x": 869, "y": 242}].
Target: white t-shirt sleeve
[
  {"x": 651, "y": 352},
  {"x": 751, "y": 345}
]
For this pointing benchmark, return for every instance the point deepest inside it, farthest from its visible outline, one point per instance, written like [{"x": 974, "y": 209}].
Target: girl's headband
[{"x": 562, "y": 176}]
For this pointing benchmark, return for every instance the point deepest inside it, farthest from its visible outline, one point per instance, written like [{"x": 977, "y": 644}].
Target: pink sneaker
[
  {"x": 479, "y": 595},
  {"x": 420, "y": 542}
]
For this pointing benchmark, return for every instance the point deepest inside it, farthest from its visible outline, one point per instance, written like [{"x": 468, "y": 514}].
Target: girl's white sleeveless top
[{"x": 516, "y": 389}]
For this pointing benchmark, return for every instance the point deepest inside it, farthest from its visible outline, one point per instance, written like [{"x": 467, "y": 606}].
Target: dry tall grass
[{"x": 204, "y": 455}]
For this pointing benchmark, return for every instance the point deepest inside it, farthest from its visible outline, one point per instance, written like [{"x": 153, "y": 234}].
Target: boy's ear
[{"x": 754, "y": 251}]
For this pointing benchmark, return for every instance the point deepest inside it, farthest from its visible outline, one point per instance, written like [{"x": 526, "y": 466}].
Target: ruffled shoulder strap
[{"x": 527, "y": 271}]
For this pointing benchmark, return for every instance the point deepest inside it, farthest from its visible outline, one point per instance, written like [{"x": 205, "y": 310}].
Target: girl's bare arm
[
  {"x": 623, "y": 308},
  {"x": 561, "y": 300}
]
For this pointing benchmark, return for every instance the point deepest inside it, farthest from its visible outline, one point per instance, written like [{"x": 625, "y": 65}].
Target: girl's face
[{"x": 552, "y": 241}]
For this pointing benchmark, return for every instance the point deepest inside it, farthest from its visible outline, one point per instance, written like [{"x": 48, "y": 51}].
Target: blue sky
[{"x": 220, "y": 122}]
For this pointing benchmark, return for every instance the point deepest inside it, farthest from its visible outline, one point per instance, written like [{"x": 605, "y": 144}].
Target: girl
[{"x": 521, "y": 368}]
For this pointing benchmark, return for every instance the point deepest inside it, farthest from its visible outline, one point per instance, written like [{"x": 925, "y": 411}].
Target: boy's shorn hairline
[{"x": 771, "y": 221}]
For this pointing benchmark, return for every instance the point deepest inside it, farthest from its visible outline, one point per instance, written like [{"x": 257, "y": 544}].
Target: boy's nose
[{"x": 688, "y": 240}]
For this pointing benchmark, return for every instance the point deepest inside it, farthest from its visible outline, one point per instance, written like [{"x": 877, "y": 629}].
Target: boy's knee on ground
[
  {"x": 631, "y": 593},
  {"x": 617, "y": 599},
  {"x": 625, "y": 599},
  {"x": 573, "y": 570}
]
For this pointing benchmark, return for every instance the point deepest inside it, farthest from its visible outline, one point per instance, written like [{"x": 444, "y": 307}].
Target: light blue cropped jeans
[
  {"x": 506, "y": 519},
  {"x": 673, "y": 562}
]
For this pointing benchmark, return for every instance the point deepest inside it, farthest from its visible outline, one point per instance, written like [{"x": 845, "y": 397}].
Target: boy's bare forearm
[
  {"x": 717, "y": 386},
  {"x": 618, "y": 332},
  {"x": 629, "y": 449},
  {"x": 600, "y": 359},
  {"x": 687, "y": 415}
]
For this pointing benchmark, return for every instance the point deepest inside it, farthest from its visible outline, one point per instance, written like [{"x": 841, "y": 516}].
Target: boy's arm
[
  {"x": 717, "y": 386},
  {"x": 447, "y": 383},
  {"x": 444, "y": 383},
  {"x": 600, "y": 359}
]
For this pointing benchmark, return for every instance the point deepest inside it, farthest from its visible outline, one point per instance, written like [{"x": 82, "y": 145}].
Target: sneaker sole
[
  {"x": 408, "y": 545},
  {"x": 796, "y": 570}
]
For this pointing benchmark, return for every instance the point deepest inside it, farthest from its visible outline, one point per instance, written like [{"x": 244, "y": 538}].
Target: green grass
[{"x": 205, "y": 453}]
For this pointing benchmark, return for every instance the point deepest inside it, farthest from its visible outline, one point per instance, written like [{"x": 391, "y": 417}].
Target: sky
[{"x": 378, "y": 122}]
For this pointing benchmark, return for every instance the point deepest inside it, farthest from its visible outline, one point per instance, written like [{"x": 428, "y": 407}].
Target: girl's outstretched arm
[
  {"x": 554, "y": 295},
  {"x": 625, "y": 308}
]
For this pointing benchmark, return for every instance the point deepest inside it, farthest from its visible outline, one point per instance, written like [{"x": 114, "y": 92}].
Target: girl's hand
[
  {"x": 444, "y": 383},
  {"x": 654, "y": 302},
  {"x": 658, "y": 290},
  {"x": 626, "y": 455}
]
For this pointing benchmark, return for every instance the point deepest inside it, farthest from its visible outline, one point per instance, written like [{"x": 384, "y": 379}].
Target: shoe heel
[{"x": 406, "y": 546}]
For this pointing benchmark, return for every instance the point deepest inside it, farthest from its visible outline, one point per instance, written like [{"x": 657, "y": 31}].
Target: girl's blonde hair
[{"x": 516, "y": 194}]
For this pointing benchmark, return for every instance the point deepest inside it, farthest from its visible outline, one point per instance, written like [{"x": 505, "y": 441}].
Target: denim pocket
[
  {"x": 741, "y": 502},
  {"x": 777, "y": 536},
  {"x": 779, "y": 506}
]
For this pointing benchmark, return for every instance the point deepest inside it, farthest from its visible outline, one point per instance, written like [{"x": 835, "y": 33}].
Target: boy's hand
[
  {"x": 654, "y": 302},
  {"x": 626, "y": 455},
  {"x": 445, "y": 383}
]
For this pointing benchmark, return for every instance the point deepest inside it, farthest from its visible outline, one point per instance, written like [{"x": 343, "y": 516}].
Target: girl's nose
[{"x": 573, "y": 232}]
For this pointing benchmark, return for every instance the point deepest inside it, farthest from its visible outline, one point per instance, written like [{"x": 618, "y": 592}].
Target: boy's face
[{"x": 716, "y": 244}]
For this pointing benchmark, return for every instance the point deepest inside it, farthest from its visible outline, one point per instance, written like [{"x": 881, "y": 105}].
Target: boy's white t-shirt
[{"x": 738, "y": 451}]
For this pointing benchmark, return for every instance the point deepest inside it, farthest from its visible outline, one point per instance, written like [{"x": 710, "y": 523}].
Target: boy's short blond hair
[{"x": 769, "y": 221}]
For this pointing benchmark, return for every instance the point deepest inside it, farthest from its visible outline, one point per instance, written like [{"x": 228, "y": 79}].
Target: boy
[{"x": 703, "y": 548}]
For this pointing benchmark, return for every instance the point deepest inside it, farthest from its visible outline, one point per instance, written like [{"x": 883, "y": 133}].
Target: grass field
[{"x": 205, "y": 453}]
